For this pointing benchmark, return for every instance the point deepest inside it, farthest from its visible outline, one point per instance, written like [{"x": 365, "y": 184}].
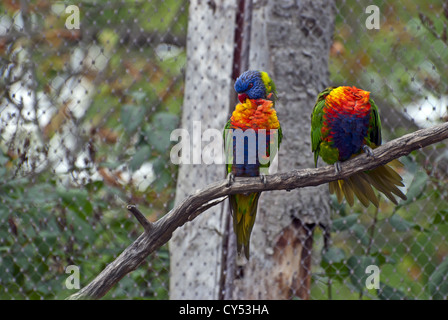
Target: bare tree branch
[
  {"x": 161, "y": 231},
  {"x": 146, "y": 224}
]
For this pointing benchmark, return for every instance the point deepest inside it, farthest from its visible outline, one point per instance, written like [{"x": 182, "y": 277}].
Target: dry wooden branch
[
  {"x": 146, "y": 224},
  {"x": 158, "y": 233}
]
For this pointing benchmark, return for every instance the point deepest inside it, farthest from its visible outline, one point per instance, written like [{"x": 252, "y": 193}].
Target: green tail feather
[
  {"x": 385, "y": 179},
  {"x": 244, "y": 211}
]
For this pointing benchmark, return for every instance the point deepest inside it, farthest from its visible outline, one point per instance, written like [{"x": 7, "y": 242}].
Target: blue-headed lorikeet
[
  {"x": 344, "y": 123},
  {"x": 255, "y": 112}
]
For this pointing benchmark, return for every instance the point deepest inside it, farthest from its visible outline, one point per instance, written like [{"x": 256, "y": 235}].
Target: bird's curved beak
[{"x": 242, "y": 97}]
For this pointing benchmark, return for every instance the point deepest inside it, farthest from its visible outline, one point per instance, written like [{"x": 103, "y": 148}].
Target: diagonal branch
[{"x": 161, "y": 231}]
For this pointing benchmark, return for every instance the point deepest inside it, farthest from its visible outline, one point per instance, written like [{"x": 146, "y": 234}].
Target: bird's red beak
[{"x": 242, "y": 97}]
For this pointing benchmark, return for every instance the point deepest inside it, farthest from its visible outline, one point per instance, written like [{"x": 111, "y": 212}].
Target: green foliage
[
  {"x": 406, "y": 243},
  {"x": 437, "y": 282},
  {"x": 343, "y": 223},
  {"x": 126, "y": 67},
  {"x": 334, "y": 264},
  {"x": 387, "y": 292},
  {"x": 44, "y": 232}
]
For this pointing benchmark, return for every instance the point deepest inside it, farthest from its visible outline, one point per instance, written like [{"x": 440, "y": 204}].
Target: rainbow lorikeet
[
  {"x": 345, "y": 122},
  {"x": 255, "y": 120}
]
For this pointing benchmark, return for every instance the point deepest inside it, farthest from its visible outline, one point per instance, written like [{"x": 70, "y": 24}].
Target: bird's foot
[
  {"x": 230, "y": 179},
  {"x": 337, "y": 167},
  {"x": 368, "y": 151},
  {"x": 263, "y": 178}
]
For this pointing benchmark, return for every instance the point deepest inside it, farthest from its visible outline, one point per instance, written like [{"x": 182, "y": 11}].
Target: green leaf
[
  {"x": 76, "y": 200},
  {"x": 438, "y": 282},
  {"x": 94, "y": 186},
  {"x": 158, "y": 133},
  {"x": 344, "y": 223},
  {"x": 333, "y": 255},
  {"x": 357, "y": 266},
  {"x": 361, "y": 233},
  {"x": 441, "y": 217},
  {"x": 131, "y": 117},
  {"x": 416, "y": 188},
  {"x": 3, "y": 159},
  {"x": 166, "y": 121},
  {"x": 401, "y": 225},
  {"x": 109, "y": 165},
  {"x": 382, "y": 258},
  {"x": 140, "y": 157},
  {"x": 333, "y": 263},
  {"x": 387, "y": 292}
]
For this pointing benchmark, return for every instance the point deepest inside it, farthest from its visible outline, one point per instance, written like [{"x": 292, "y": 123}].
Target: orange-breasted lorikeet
[
  {"x": 252, "y": 136},
  {"x": 344, "y": 123}
]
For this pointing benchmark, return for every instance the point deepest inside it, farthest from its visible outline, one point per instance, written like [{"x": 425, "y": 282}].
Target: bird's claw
[
  {"x": 230, "y": 179},
  {"x": 367, "y": 150},
  {"x": 337, "y": 167},
  {"x": 263, "y": 178}
]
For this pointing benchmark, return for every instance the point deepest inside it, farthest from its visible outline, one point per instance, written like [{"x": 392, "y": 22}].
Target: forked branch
[{"x": 158, "y": 233}]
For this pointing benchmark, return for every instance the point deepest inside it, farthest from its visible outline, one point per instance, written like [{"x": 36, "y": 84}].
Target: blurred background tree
[{"x": 85, "y": 121}]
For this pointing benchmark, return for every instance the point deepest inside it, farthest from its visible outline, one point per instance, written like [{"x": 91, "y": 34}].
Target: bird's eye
[{"x": 250, "y": 85}]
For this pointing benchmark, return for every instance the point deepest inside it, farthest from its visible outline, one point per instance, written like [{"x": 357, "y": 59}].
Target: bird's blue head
[{"x": 253, "y": 85}]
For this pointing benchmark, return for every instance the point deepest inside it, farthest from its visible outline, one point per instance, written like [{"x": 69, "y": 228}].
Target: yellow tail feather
[
  {"x": 385, "y": 179},
  {"x": 244, "y": 211},
  {"x": 364, "y": 190}
]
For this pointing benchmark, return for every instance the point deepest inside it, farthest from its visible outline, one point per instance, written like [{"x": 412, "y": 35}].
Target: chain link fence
[{"x": 86, "y": 111}]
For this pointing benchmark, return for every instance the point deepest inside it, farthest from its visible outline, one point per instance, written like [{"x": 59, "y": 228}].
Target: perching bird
[
  {"x": 245, "y": 156},
  {"x": 344, "y": 123}
]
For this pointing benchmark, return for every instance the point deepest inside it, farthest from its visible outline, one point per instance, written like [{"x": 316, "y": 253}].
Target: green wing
[
  {"x": 374, "y": 124},
  {"x": 280, "y": 136},
  {"x": 270, "y": 85},
  {"x": 228, "y": 146},
  {"x": 279, "y": 132},
  {"x": 272, "y": 150},
  {"x": 273, "y": 90},
  {"x": 316, "y": 123}
]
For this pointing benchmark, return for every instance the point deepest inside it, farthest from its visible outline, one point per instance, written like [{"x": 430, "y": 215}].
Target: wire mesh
[{"x": 85, "y": 120}]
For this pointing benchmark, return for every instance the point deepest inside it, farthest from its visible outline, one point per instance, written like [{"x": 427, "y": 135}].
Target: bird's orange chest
[{"x": 254, "y": 114}]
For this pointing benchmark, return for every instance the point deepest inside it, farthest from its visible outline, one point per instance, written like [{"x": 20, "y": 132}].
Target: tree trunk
[
  {"x": 196, "y": 249},
  {"x": 291, "y": 41}
]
